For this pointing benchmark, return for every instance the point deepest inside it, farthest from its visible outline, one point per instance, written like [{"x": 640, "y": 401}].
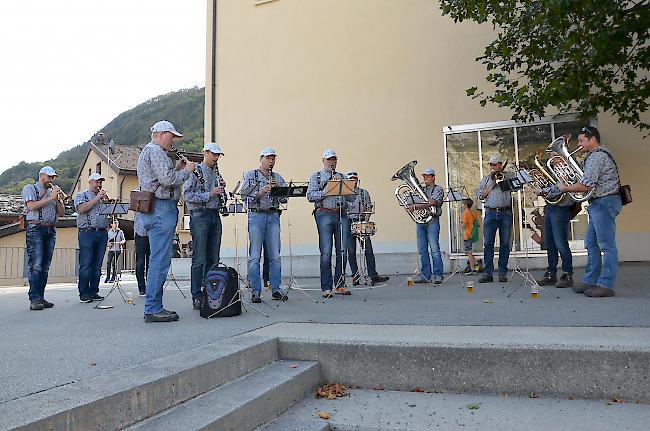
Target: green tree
[{"x": 585, "y": 56}]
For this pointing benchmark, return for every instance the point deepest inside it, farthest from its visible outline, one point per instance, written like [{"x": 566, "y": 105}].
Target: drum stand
[{"x": 362, "y": 272}]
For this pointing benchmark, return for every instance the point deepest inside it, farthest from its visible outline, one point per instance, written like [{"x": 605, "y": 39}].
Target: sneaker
[
  {"x": 255, "y": 298},
  {"x": 437, "y": 279},
  {"x": 169, "y": 311},
  {"x": 196, "y": 304},
  {"x": 599, "y": 292},
  {"x": 96, "y": 297},
  {"x": 503, "y": 278},
  {"x": 279, "y": 296},
  {"x": 143, "y": 294},
  {"x": 566, "y": 280},
  {"x": 485, "y": 278},
  {"x": 36, "y": 305},
  {"x": 327, "y": 294},
  {"x": 582, "y": 287},
  {"x": 380, "y": 279},
  {"x": 163, "y": 316},
  {"x": 547, "y": 279},
  {"x": 46, "y": 304},
  {"x": 422, "y": 279},
  {"x": 342, "y": 291},
  {"x": 85, "y": 299}
]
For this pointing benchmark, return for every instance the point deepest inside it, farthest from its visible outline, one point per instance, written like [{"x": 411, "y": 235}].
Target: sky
[{"x": 70, "y": 66}]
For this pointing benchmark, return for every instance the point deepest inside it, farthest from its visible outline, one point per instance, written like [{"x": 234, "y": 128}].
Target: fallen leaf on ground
[
  {"x": 420, "y": 389},
  {"x": 533, "y": 395},
  {"x": 617, "y": 400},
  {"x": 293, "y": 366},
  {"x": 92, "y": 364},
  {"x": 487, "y": 301},
  {"x": 379, "y": 388},
  {"x": 473, "y": 406},
  {"x": 332, "y": 391},
  {"x": 324, "y": 415}
]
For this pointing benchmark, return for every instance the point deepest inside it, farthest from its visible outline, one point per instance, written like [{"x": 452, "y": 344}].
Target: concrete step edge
[
  {"x": 118, "y": 399},
  {"x": 243, "y": 404}
]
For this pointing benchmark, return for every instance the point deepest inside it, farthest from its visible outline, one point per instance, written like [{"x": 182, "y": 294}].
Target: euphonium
[
  {"x": 541, "y": 177},
  {"x": 564, "y": 166},
  {"x": 412, "y": 193}
]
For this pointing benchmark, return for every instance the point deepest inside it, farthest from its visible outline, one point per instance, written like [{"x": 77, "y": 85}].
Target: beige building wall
[{"x": 376, "y": 80}]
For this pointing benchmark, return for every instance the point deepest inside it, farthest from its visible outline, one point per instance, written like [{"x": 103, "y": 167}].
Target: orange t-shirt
[{"x": 467, "y": 219}]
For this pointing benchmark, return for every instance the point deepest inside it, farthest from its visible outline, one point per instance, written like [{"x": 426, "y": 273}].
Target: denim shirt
[
  {"x": 156, "y": 172},
  {"x": 35, "y": 192},
  {"x": 497, "y": 198},
  {"x": 197, "y": 195},
  {"x": 92, "y": 218},
  {"x": 315, "y": 194},
  {"x": 254, "y": 180}
]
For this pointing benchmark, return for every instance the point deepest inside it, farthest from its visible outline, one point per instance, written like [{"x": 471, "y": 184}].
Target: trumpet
[
  {"x": 106, "y": 199},
  {"x": 62, "y": 197}
]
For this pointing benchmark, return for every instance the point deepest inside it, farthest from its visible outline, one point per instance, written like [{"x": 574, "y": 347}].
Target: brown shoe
[
  {"x": 565, "y": 281},
  {"x": 342, "y": 291},
  {"x": 599, "y": 292},
  {"x": 582, "y": 287}
]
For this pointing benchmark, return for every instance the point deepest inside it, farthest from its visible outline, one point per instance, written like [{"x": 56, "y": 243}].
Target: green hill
[{"x": 184, "y": 108}]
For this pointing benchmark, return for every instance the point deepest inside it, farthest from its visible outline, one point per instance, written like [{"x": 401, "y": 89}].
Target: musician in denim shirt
[{"x": 602, "y": 178}]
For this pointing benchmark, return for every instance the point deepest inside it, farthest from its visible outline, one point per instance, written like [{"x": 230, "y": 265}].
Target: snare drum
[{"x": 363, "y": 228}]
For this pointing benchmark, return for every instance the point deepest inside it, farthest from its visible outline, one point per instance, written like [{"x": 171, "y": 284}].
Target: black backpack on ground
[{"x": 220, "y": 294}]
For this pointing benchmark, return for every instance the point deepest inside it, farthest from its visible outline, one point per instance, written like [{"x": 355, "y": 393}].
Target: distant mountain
[{"x": 184, "y": 108}]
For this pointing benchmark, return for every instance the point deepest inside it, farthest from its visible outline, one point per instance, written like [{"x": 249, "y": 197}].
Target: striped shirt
[
  {"x": 197, "y": 193},
  {"x": 156, "y": 172},
  {"x": 35, "y": 192},
  {"x": 91, "y": 219},
  {"x": 254, "y": 180},
  {"x": 316, "y": 194}
]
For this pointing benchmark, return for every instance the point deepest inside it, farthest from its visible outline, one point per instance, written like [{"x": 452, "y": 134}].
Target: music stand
[
  {"x": 456, "y": 196},
  {"x": 516, "y": 182},
  {"x": 111, "y": 210},
  {"x": 339, "y": 188}
]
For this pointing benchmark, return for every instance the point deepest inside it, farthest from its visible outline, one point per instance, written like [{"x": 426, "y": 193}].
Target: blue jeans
[
  {"x": 601, "y": 237},
  {"x": 556, "y": 231},
  {"x": 352, "y": 253},
  {"x": 330, "y": 231},
  {"x": 141, "y": 261},
  {"x": 501, "y": 220},
  {"x": 92, "y": 245},
  {"x": 264, "y": 229},
  {"x": 39, "y": 244},
  {"x": 428, "y": 236},
  {"x": 205, "y": 226},
  {"x": 160, "y": 226}
]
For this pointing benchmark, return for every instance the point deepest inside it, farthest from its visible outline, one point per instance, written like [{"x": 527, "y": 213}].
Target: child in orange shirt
[{"x": 467, "y": 219}]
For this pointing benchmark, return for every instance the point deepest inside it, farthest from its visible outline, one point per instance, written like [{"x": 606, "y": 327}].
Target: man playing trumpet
[
  {"x": 92, "y": 236},
  {"x": 43, "y": 205}
]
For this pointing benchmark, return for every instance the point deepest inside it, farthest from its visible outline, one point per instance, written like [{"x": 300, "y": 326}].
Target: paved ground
[{"x": 73, "y": 341}]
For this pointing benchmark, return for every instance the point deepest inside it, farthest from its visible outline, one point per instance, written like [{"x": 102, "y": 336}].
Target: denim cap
[
  {"x": 96, "y": 176},
  {"x": 268, "y": 151},
  {"x": 329, "y": 153},
  {"x": 496, "y": 158},
  {"x": 213, "y": 148},
  {"x": 48, "y": 170},
  {"x": 165, "y": 126},
  {"x": 429, "y": 171},
  {"x": 352, "y": 174}
]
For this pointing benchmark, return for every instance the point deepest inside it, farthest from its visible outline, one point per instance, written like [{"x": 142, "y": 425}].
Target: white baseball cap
[
  {"x": 496, "y": 158},
  {"x": 165, "y": 126},
  {"x": 329, "y": 153},
  {"x": 352, "y": 174},
  {"x": 96, "y": 176},
  {"x": 268, "y": 151},
  {"x": 213, "y": 148},
  {"x": 429, "y": 171},
  {"x": 48, "y": 170}
]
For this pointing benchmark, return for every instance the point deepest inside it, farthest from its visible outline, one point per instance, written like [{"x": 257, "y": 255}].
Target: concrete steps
[{"x": 242, "y": 404}]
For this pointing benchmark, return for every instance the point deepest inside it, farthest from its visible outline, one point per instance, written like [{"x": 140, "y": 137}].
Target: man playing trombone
[
  {"x": 43, "y": 205},
  {"x": 92, "y": 236},
  {"x": 498, "y": 216}
]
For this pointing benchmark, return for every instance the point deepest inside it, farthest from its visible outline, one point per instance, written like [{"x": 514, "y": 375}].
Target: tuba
[
  {"x": 413, "y": 193},
  {"x": 564, "y": 166},
  {"x": 541, "y": 177}
]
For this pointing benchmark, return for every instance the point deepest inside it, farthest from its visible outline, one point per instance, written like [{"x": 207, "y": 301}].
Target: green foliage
[
  {"x": 585, "y": 56},
  {"x": 184, "y": 108}
]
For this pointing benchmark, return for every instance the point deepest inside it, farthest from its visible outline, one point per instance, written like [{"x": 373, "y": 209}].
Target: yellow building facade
[{"x": 382, "y": 82}]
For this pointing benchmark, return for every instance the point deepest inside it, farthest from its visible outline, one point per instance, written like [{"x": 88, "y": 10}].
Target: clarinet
[
  {"x": 272, "y": 183},
  {"x": 223, "y": 200}
]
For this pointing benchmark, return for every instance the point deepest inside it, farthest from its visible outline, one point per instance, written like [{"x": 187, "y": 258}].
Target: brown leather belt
[
  {"x": 329, "y": 210},
  {"x": 40, "y": 223}
]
